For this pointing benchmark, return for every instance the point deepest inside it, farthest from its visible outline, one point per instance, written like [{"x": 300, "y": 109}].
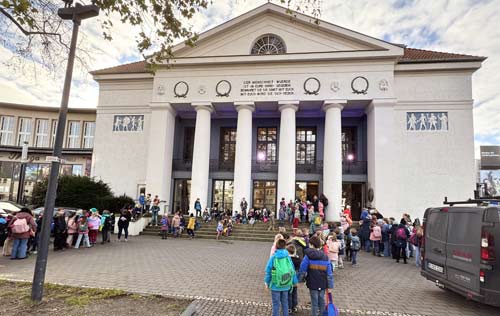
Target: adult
[
  {"x": 142, "y": 202},
  {"x": 243, "y": 207},
  {"x": 148, "y": 202},
  {"x": 22, "y": 226},
  {"x": 60, "y": 229},
  {"x": 402, "y": 235},
  {"x": 123, "y": 223},
  {"x": 364, "y": 231},
  {"x": 315, "y": 203},
  {"x": 154, "y": 211},
  {"x": 3, "y": 227},
  {"x": 197, "y": 207}
]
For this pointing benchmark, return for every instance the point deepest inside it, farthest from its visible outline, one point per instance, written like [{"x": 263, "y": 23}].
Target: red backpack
[{"x": 401, "y": 234}]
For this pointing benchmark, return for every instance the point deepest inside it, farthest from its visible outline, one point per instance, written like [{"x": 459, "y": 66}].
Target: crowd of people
[
  {"x": 20, "y": 231},
  {"x": 313, "y": 253}
]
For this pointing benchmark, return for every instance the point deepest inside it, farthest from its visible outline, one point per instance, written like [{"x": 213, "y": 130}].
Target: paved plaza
[{"x": 226, "y": 278}]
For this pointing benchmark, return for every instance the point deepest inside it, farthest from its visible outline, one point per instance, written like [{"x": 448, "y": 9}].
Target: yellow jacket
[{"x": 192, "y": 222}]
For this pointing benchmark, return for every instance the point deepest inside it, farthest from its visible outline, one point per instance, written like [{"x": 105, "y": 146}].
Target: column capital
[
  {"x": 293, "y": 104},
  {"x": 379, "y": 103},
  {"x": 158, "y": 106},
  {"x": 339, "y": 104},
  {"x": 250, "y": 105},
  {"x": 203, "y": 106}
]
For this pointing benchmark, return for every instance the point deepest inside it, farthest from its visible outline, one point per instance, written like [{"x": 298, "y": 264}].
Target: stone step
[
  {"x": 212, "y": 236},
  {"x": 265, "y": 234}
]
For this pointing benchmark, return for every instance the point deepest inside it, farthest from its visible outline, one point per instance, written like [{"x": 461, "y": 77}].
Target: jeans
[
  {"x": 376, "y": 247},
  {"x": 280, "y": 298},
  {"x": 154, "y": 217},
  {"x": 105, "y": 235},
  {"x": 86, "y": 242},
  {"x": 387, "y": 249},
  {"x": 293, "y": 299},
  {"x": 368, "y": 244},
  {"x": 354, "y": 256},
  {"x": 417, "y": 256},
  {"x": 190, "y": 232},
  {"x": 19, "y": 248},
  {"x": 317, "y": 302},
  {"x": 120, "y": 229}
]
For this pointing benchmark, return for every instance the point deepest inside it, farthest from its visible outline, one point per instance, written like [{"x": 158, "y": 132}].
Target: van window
[
  {"x": 436, "y": 225},
  {"x": 461, "y": 228}
]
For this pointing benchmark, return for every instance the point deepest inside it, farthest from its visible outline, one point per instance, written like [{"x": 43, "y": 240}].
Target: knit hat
[{"x": 93, "y": 210}]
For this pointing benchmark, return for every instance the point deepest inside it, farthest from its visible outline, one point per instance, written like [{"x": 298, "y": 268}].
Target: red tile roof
[{"x": 411, "y": 55}]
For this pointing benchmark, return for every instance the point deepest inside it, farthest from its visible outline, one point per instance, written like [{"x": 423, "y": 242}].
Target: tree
[
  {"x": 81, "y": 192},
  {"x": 33, "y": 31}
]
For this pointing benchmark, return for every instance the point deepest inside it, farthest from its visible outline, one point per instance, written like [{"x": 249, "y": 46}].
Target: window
[
  {"x": 437, "y": 225},
  {"x": 6, "y": 130},
  {"x": 306, "y": 146},
  {"x": 182, "y": 193},
  {"x": 264, "y": 195},
  {"x": 73, "y": 134},
  {"x": 266, "y": 144},
  {"x": 25, "y": 129},
  {"x": 268, "y": 44},
  {"x": 42, "y": 133},
  {"x": 348, "y": 142},
  {"x": 227, "y": 145},
  {"x": 54, "y": 132},
  {"x": 187, "y": 154},
  {"x": 88, "y": 134},
  {"x": 223, "y": 194}
]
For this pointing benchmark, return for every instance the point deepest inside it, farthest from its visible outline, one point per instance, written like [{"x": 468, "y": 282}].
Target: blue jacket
[
  {"x": 280, "y": 253},
  {"x": 317, "y": 270}
]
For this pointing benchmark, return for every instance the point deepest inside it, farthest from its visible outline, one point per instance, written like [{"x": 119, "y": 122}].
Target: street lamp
[
  {"x": 22, "y": 173},
  {"x": 76, "y": 14}
]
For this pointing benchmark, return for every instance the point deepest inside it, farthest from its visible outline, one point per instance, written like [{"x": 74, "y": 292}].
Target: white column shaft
[
  {"x": 201, "y": 158},
  {"x": 243, "y": 159},
  {"x": 286, "y": 160},
  {"x": 160, "y": 151},
  {"x": 332, "y": 161}
]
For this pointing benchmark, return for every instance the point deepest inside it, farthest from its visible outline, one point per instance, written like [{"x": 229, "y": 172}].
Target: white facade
[{"x": 327, "y": 73}]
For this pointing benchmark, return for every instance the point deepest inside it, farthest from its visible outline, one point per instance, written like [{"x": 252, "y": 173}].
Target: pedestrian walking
[
  {"x": 83, "y": 232},
  {"x": 355, "y": 246},
  {"x": 123, "y": 223},
  {"x": 60, "y": 229},
  {"x": 191, "y": 226}
]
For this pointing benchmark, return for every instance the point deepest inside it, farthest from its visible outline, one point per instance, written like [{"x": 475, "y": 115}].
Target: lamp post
[
  {"x": 76, "y": 14},
  {"x": 22, "y": 173}
]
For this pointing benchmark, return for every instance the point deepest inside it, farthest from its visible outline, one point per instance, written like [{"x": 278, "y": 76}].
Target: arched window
[{"x": 268, "y": 44}]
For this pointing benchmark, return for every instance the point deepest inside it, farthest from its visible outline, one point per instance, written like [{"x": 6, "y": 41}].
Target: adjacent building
[
  {"x": 273, "y": 105},
  {"x": 37, "y": 126}
]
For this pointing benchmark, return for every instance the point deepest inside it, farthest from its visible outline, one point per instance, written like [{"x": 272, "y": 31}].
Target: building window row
[{"x": 44, "y": 133}]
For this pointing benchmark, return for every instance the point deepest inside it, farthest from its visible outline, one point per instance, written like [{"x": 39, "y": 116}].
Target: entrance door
[
  {"x": 182, "y": 192},
  {"x": 305, "y": 191},
  {"x": 353, "y": 195}
]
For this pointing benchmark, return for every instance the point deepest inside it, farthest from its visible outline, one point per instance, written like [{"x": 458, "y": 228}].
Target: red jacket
[{"x": 29, "y": 220}]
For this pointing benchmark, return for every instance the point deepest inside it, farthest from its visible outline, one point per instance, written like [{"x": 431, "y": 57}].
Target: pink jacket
[
  {"x": 72, "y": 226},
  {"x": 376, "y": 234},
  {"x": 333, "y": 249}
]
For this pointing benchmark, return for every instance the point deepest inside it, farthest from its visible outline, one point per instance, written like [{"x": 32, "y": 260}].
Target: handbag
[{"x": 330, "y": 308}]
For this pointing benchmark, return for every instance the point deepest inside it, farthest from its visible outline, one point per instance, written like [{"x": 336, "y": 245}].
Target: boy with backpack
[
  {"x": 280, "y": 278},
  {"x": 293, "y": 300},
  {"x": 355, "y": 246},
  {"x": 402, "y": 235},
  {"x": 318, "y": 273}
]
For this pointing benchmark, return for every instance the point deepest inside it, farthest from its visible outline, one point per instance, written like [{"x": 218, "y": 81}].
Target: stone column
[
  {"x": 243, "y": 159},
  {"x": 381, "y": 155},
  {"x": 201, "y": 154},
  {"x": 160, "y": 150},
  {"x": 287, "y": 151},
  {"x": 332, "y": 158}
]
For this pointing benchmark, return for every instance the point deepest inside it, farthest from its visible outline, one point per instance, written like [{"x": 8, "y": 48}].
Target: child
[
  {"x": 347, "y": 242},
  {"x": 83, "y": 231},
  {"x": 376, "y": 237},
  {"x": 317, "y": 270},
  {"x": 107, "y": 221},
  {"x": 229, "y": 227},
  {"x": 333, "y": 250},
  {"x": 220, "y": 229},
  {"x": 305, "y": 234},
  {"x": 340, "y": 238},
  {"x": 182, "y": 224},
  {"x": 355, "y": 246},
  {"x": 94, "y": 221},
  {"x": 164, "y": 226},
  {"x": 191, "y": 225},
  {"x": 293, "y": 297},
  {"x": 280, "y": 278},
  {"x": 273, "y": 248}
]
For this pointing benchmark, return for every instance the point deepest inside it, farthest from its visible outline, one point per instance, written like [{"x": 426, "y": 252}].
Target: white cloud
[{"x": 462, "y": 26}]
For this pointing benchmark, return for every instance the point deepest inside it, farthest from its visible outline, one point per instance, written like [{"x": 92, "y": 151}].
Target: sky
[{"x": 459, "y": 26}]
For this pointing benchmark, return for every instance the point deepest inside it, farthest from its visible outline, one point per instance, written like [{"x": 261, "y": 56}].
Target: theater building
[{"x": 271, "y": 105}]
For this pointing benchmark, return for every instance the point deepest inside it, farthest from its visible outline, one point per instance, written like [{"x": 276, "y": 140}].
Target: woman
[
  {"x": 59, "y": 231},
  {"x": 123, "y": 223},
  {"x": 364, "y": 231},
  {"x": 22, "y": 227}
]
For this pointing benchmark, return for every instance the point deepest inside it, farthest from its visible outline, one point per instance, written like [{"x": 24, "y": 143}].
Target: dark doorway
[
  {"x": 353, "y": 195},
  {"x": 305, "y": 191}
]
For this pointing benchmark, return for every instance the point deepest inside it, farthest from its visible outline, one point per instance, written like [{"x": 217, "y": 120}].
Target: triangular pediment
[{"x": 301, "y": 34}]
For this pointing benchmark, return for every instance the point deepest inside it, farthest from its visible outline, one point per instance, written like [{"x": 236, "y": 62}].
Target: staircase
[{"x": 245, "y": 232}]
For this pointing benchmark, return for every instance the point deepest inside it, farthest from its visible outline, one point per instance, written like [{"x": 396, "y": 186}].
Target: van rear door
[
  {"x": 436, "y": 230},
  {"x": 463, "y": 247}
]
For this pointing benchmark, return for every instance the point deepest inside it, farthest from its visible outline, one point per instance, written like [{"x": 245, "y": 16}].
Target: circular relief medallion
[
  {"x": 202, "y": 90},
  {"x": 312, "y": 86},
  {"x": 181, "y": 89},
  {"x": 359, "y": 85},
  {"x": 383, "y": 85},
  {"x": 223, "y": 88}
]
